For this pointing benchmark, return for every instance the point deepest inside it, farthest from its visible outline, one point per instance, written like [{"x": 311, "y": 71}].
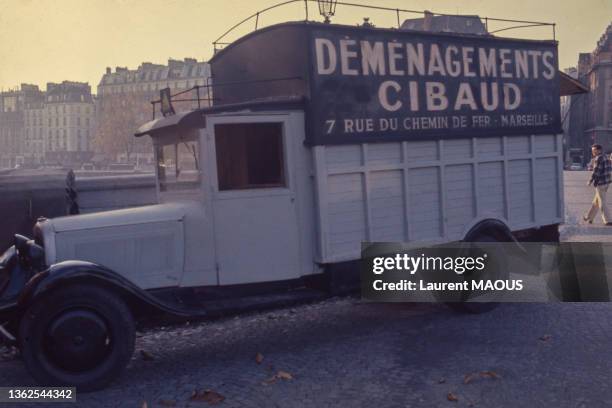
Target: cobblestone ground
[{"x": 348, "y": 353}]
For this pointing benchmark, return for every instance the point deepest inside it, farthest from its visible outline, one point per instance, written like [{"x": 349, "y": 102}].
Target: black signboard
[{"x": 383, "y": 85}]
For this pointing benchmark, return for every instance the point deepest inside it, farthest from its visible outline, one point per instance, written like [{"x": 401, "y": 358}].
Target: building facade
[
  {"x": 69, "y": 116},
  {"x": 34, "y": 126},
  {"x": 124, "y": 103},
  {"x": 590, "y": 115},
  {"x": 53, "y": 127},
  {"x": 466, "y": 24},
  {"x": 17, "y": 141},
  {"x": 566, "y": 102},
  {"x": 11, "y": 128}
]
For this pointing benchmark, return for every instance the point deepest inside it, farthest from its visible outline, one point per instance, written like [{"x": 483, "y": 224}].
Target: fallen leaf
[
  {"x": 259, "y": 358},
  {"x": 490, "y": 374},
  {"x": 283, "y": 375},
  {"x": 270, "y": 380},
  {"x": 452, "y": 397},
  {"x": 441, "y": 380},
  {"x": 280, "y": 375},
  {"x": 167, "y": 403},
  {"x": 545, "y": 337},
  {"x": 209, "y": 396},
  {"x": 468, "y": 378},
  {"x": 146, "y": 356}
]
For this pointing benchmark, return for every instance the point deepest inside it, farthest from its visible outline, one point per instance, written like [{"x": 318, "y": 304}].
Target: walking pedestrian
[{"x": 601, "y": 177}]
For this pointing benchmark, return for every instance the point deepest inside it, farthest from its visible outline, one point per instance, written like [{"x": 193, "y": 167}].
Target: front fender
[
  {"x": 15, "y": 279},
  {"x": 70, "y": 272}
]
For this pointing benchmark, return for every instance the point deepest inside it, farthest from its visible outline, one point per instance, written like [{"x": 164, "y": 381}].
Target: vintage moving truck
[{"x": 320, "y": 137}]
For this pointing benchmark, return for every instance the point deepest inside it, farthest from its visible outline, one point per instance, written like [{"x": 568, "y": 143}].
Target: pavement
[{"x": 344, "y": 352}]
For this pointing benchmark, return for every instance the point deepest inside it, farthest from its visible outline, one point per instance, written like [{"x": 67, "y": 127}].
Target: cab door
[{"x": 255, "y": 216}]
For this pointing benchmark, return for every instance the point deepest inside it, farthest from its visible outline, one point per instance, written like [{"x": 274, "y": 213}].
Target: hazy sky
[{"x": 53, "y": 40}]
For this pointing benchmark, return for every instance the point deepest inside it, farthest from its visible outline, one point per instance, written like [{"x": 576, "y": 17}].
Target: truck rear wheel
[
  {"x": 480, "y": 307},
  {"x": 79, "y": 336}
]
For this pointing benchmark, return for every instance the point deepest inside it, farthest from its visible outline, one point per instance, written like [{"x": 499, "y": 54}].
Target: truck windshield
[{"x": 178, "y": 166}]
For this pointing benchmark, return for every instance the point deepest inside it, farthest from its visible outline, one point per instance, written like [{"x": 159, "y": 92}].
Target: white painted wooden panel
[
  {"x": 345, "y": 156},
  {"x": 422, "y": 151},
  {"x": 347, "y": 216},
  {"x": 517, "y": 145},
  {"x": 459, "y": 198},
  {"x": 387, "y": 206},
  {"x": 547, "y": 188},
  {"x": 489, "y": 146},
  {"x": 384, "y": 153},
  {"x": 425, "y": 207},
  {"x": 457, "y": 149},
  {"x": 544, "y": 144},
  {"x": 491, "y": 197},
  {"x": 519, "y": 185}
]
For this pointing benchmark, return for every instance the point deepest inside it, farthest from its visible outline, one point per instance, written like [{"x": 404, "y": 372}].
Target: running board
[
  {"x": 187, "y": 304},
  {"x": 262, "y": 302}
]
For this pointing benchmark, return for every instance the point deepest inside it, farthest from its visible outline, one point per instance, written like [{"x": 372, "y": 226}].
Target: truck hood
[
  {"x": 127, "y": 216},
  {"x": 48, "y": 230}
]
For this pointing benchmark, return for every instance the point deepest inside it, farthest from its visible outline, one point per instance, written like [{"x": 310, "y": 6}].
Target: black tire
[
  {"x": 81, "y": 336},
  {"x": 477, "y": 307}
]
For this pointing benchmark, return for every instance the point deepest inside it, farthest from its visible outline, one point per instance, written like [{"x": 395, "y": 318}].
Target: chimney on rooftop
[
  {"x": 427, "y": 20},
  {"x": 108, "y": 70}
]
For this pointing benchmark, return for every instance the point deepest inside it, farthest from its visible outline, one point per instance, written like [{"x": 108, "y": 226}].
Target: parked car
[{"x": 576, "y": 166}]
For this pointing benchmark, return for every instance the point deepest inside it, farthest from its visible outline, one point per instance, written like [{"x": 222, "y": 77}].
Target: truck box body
[
  {"x": 390, "y": 161},
  {"x": 433, "y": 191}
]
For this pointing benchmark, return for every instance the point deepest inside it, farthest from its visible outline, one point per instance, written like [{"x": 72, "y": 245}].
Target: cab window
[
  {"x": 178, "y": 166},
  {"x": 249, "y": 156}
]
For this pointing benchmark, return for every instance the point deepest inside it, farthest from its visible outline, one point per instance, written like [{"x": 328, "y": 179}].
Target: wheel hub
[{"x": 77, "y": 340}]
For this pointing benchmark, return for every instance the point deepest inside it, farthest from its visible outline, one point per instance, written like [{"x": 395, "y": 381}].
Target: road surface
[{"x": 348, "y": 353}]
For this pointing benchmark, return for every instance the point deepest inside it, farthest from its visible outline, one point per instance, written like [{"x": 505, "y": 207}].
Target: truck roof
[
  {"x": 197, "y": 118},
  {"x": 311, "y": 25}
]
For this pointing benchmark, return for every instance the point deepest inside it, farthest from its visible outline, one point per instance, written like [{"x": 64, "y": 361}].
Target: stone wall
[{"x": 23, "y": 199}]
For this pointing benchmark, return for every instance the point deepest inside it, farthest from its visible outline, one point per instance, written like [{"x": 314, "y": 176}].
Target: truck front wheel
[{"x": 79, "y": 336}]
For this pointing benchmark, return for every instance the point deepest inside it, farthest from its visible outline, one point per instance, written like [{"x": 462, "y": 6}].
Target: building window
[{"x": 249, "y": 156}]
